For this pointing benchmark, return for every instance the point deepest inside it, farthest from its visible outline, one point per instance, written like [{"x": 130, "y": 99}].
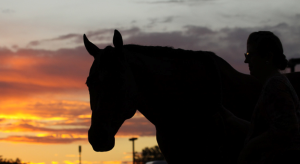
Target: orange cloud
[
  {"x": 44, "y": 109},
  {"x": 135, "y": 126},
  {"x": 43, "y": 92},
  {"x": 29, "y": 72},
  {"x": 63, "y": 135},
  {"x": 67, "y": 129},
  {"x": 30, "y": 128},
  {"x": 41, "y": 140}
]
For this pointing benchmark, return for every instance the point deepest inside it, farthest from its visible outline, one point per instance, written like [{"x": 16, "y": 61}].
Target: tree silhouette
[
  {"x": 149, "y": 154},
  {"x": 10, "y": 161}
]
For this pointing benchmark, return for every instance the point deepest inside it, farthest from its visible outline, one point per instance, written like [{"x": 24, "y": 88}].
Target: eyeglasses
[{"x": 247, "y": 54}]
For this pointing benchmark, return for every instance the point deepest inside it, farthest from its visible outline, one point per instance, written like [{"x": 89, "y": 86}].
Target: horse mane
[
  {"x": 153, "y": 50},
  {"x": 161, "y": 54},
  {"x": 170, "y": 52}
]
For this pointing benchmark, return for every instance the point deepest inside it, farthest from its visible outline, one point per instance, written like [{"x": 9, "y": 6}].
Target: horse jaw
[{"x": 101, "y": 139}]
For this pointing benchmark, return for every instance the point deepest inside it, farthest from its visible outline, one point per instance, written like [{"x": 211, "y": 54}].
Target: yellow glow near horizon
[
  {"x": 19, "y": 116},
  {"x": 42, "y": 135},
  {"x": 92, "y": 162},
  {"x": 84, "y": 116},
  {"x": 28, "y": 109},
  {"x": 112, "y": 162},
  {"x": 36, "y": 163}
]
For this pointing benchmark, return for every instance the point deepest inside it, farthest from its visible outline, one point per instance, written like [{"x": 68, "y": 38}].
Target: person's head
[{"x": 264, "y": 53}]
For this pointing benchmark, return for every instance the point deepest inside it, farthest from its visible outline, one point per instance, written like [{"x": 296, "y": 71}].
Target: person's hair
[{"x": 266, "y": 41}]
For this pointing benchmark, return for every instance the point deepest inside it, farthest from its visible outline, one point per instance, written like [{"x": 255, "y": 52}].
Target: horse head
[{"x": 113, "y": 92}]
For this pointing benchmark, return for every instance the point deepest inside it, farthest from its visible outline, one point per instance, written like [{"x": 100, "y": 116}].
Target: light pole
[
  {"x": 133, "y": 154},
  {"x": 79, "y": 154}
]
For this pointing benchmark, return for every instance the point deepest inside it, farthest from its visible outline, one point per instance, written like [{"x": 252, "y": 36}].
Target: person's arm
[
  {"x": 257, "y": 145},
  {"x": 281, "y": 112},
  {"x": 234, "y": 122}
]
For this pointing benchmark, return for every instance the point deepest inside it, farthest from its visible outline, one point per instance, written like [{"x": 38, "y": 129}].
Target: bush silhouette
[
  {"x": 149, "y": 154},
  {"x": 10, "y": 161}
]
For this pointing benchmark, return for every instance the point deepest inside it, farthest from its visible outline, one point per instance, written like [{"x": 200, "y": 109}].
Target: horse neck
[
  {"x": 146, "y": 60},
  {"x": 147, "y": 64}
]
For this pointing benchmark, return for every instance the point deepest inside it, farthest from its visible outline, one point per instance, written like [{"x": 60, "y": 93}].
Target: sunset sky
[{"x": 44, "y": 102}]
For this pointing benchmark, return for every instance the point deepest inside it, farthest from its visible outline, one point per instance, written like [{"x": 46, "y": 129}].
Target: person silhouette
[{"x": 272, "y": 136}]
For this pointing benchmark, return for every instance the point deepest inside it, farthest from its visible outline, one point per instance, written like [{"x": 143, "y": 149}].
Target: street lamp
[
  {"x": 133, "y": 154},
  {"x": 79, "y": 154}
]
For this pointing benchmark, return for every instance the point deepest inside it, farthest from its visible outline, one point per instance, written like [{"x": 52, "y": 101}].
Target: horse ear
[
  {"x": 90, "y": 47},
  {"x": 117, "y": 40}
]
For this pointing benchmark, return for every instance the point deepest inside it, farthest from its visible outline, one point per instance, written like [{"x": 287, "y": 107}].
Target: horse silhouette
[{"x": 178, "y": 91}]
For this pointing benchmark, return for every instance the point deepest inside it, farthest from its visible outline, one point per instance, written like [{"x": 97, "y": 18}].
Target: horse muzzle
[{"x": 101, "y": 138}]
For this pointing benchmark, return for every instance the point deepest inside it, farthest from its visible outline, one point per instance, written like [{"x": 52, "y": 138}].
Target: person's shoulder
[
  {"x": 279, "y": 80},
  {"x": 280, "y": 77},
  {"x": 280, "y": 89},
  {"x": 277, "y": 84}
]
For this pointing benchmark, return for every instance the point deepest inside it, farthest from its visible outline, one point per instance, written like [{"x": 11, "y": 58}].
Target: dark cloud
[
  {"x": 60, "y": 38},
  {"x": 15, "y": 47},
  {"x": 173, "y": 1},
  {"x": 157, "y": 2},
  {"x": 228, "y": 43},
  {"x": 30, "y": 73},
  {"x": 65, "y": 70},
  {"x": 168, "y": 19},
  {"x": 154, "y": 21},
  {"x": 75, "y": 39},
  {"x": 68, "y": 36},
  {"x": 6, "y": 11},
  {"x": 172, "y": 39},
  {"x": 34, "y": 43},
  {"x": 198, "y": 31}
]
